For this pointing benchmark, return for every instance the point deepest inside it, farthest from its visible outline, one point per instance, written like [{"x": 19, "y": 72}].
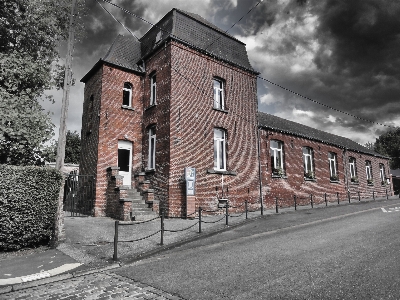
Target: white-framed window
[
  {"x": 127, "y": 94},
  {"x": 308, "y": 158},
  {"x": 219, "y": 101},
  {"x": 333, "y": 165},
  {"x": 382, "y": 173},
  {"x": 353, "y": 169},
  {"x": 219, "y": 149},
  {"x": 152, "y": 148},
  {"x": 368, "y": 171},
  {"x": 276, "y": 153},
  {"x": 153, "y": 89}
]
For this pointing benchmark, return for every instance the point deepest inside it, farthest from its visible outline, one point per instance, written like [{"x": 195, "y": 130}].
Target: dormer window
[
  {"x": 159, "y": 36},
  {"x": 127, "y": 94}
]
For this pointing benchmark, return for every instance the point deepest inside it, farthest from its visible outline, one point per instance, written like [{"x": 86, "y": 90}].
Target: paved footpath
[{"x": 97, "y": 285}]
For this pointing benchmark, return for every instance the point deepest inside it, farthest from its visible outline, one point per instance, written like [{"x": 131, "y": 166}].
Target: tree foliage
[
  {"x": 30, "y": 33},
  {"x": 389, "y": 144},
  {"x": 72, "y": 149}
]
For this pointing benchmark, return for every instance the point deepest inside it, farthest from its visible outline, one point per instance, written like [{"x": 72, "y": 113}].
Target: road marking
[{"x": 390, "y": 209}]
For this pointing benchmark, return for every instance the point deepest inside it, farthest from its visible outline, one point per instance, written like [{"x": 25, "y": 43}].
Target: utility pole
[
  {"x": 59, "y": 233},
  {"x": 66, "y": 89}
]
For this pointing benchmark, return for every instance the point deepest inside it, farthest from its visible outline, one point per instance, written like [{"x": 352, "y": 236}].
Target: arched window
[
  {"x": 127, "y": 94},
  {"x": 333, "y": 166},
  {"x": 219, "y": 149},
  {"x": 152, "y": 148},
  {"x": 368, "y": 171},
  {"x": 308, "y": 158},
  {"x": 276, "y": 152},
  {"x": 353, "y": 170},
  {"x": 219, "y": 101}
]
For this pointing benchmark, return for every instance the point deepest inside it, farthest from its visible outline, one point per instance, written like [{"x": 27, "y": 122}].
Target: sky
[{"x": 343, "y": 54}]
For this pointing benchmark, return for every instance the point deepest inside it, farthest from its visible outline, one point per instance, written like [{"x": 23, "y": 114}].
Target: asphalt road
[{"x": 348, "y": 252}]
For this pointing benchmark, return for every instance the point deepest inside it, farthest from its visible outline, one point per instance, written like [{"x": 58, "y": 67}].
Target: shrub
[{"x": 28, "y": 205}]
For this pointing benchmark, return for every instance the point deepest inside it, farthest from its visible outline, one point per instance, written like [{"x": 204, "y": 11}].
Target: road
[
  {"x": 315, "y": 254},
  {"x": 342, "y": 252}
]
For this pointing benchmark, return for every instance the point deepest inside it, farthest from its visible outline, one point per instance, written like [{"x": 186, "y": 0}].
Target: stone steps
[{"x": 140, "y": 210}]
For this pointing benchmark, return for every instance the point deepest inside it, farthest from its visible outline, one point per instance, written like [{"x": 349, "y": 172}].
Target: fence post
[
  {"x": 373, "y": 195},
  {"x": 337, "y": 195},
  {"x": 326, "y": 202},
  {"x": 162, "y": 228},
  {"x": 199, "y": 219},
  {"x": 245, "y": 205},
  {"x": 276, "y": 204},
  {"x": 312, "y": 204},
  {"x": 359, "y": 198},
  {"x": 115, "y": 256},
  {"x": 226, "y": 214},
  {"x": 295, "y": 202},
  {"x": 348, "y": 196},
  {"x": 387, "y": 197}
]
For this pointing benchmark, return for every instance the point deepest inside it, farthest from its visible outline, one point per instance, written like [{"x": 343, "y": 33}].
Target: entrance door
[{"x": 125, "y": 161}]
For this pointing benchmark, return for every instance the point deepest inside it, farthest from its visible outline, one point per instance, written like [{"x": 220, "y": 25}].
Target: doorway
[{"x": 125, "y": 161}]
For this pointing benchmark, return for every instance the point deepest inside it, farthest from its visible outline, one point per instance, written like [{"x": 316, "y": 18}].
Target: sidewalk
[{"x": 89, "y": 243}]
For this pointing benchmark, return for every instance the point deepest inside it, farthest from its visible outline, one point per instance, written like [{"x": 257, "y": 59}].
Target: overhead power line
[
  {"x": 235, "y": 23},
  {"x": 266, "y": 80}
]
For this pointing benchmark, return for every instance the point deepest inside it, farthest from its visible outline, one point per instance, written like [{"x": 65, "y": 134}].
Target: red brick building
[{"x": 185, "y": 95}]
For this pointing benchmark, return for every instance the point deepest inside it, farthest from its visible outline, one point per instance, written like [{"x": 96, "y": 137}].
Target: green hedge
[{"x": 28, "y": 205}]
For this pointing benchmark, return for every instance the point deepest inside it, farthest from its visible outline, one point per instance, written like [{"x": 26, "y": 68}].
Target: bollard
[
  {"x": 348, "y": 196},
  {"x": 359, "y": 198},
  {"x": 373, "y": 195},
  {"x": 199, "y": 219},
  {"x": 162, "y": 228},
  {"x": 276, "y": 204},
  {"x": 245, "y": 205},
  {"x": 115, "y": 256},
  {"x": 295, "y": 202},
  {"x": 326, "y": 201},
  {"x": 226, "y": 213},
  {"x": 312, "y": 204},
  {"x": 387, "y": 197},
  {"x": 337, "y": 195}
]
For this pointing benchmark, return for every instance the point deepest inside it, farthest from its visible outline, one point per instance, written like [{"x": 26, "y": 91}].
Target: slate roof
[
  {"x": 195, "y": 31},
  {"x": 188, "y": 28},
  {"x": 282, "y": 125},
  {"x": 124, "y": 52}
]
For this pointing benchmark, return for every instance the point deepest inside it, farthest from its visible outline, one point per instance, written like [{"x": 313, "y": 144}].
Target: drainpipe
[
  {"x": 259, "y": 169},
  {"x": 345, "y": 162}
]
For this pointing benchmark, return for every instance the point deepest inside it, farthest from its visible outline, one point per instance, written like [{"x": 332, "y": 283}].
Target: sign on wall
[{"x": 190, "y": 177}]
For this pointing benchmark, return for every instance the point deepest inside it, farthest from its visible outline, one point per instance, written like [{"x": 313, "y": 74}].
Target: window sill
[
  {"x": 310, "y": 179},
  {"x": 355, "y": 183},
  {"x": 221, "y": 110},
  {"x": 149, "y": 171},
  {"x": 370, "y": 184},
  {"x": 212, "y": 171},
  {"x": 127, "y": 107},
  {"x": 151, "y": 106},
  {"x": 335, "y": 181},
  {"x": 279, "y": 176}
]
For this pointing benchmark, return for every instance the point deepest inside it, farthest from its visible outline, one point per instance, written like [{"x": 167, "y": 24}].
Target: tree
[
  {"x": 72, "y": 149},
  {"x": 389, "y": 144},
  {"x": 30, "y": 33}
]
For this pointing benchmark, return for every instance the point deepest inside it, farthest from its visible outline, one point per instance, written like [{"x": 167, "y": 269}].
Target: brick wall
[
  {"x": 294, "y": 183},
  {"x": 112, "y": 123},
  {"x": 192, "y": 123},
  {"x": 158, "y": 116}
]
